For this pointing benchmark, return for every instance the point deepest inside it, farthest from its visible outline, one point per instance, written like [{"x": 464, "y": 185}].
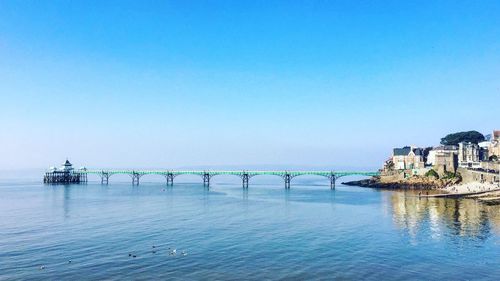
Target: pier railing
[{"x": 206, "y": 175}]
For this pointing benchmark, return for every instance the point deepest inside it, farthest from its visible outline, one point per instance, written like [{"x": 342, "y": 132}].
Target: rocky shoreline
[
  {"x": 484, "y": 192},
  {"x": 417, "y": 183}
]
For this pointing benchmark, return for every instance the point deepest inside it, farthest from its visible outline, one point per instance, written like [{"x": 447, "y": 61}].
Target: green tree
[{"x": 456, "y": 138}]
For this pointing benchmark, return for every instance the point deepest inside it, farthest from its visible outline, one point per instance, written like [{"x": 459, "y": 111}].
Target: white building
[
  {"x": 468, "y": 155},
  {"x": 440, "y": 151}
]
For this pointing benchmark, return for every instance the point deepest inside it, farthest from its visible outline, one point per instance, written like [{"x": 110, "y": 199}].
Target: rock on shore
[{"x": 410, "y": 183}]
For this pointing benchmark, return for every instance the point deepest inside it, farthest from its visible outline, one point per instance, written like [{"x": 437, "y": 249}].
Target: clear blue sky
[{"x": 176, "y": 83}]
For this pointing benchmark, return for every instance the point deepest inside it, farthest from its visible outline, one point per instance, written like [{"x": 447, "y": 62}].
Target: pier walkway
[{"x": 206, "y": 176}]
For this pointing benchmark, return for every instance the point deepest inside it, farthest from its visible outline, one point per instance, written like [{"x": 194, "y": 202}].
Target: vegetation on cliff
[
  {"x": 432, "y": 173},
  {"x": 451, "y": 175},
  {"x": 456, "y": 138}
]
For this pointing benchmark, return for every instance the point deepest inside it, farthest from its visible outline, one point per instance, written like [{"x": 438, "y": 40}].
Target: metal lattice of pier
[{"x": 206, "y": 176}]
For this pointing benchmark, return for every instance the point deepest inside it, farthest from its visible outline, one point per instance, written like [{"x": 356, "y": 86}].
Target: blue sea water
[{"x": 266, "y": 232}]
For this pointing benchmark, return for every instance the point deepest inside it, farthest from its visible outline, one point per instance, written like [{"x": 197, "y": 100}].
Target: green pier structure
[{"x": 207, "y": 175}]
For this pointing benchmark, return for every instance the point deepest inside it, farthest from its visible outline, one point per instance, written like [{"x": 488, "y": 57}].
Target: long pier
[{"x": 207, "y": 175}]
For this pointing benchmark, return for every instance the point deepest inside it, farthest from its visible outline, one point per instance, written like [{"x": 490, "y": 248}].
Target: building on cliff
[
  {"x": 470, "y": 155},
  {"x": 482, "y": 160},
  {"x": 443, "y": 159},
  {"x": 494, "y": 145},
  {"x": 408, "y": 157}
]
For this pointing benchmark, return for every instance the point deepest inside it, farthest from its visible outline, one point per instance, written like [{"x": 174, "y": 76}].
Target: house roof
[
  {"x": 67, "y": 163},
  {"x": 402, "y": 151},
  {"x": 406, "y": 150}
]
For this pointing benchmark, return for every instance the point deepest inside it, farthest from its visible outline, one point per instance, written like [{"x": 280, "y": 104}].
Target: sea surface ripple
[{"x": 86, "y": 232}]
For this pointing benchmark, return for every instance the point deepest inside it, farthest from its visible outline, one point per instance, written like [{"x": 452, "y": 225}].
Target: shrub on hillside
[{"x": 432, "y": 173}]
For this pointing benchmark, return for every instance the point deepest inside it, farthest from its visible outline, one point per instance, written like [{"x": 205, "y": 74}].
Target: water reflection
[
  {"x": 245, "y": 198},
  {"x": 440, "y": 216},
  {"x": 66, "y": 201}
]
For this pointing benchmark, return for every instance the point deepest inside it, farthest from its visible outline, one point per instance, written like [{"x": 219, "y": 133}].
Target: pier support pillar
[
  {"x": 288, "y": 178},
  {"x": 135, "y": 178},
  {"x": 206, "y": 179},
  {"x": 332, "y": 182},
  {"x": 82, "y": 178},
  {"x": 245, "y": 177},
  {"x": 170, "y": 179},
  {"x": 105, "y": 177}
]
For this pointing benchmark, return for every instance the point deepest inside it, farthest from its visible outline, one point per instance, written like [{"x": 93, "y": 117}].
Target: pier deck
[{"x": 206, "y": 175}]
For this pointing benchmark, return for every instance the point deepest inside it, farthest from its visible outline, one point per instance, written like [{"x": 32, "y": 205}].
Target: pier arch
[{"x": 207, "y": 175}]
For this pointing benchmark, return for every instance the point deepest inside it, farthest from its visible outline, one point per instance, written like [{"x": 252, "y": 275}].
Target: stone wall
[
  {"x": 469, "y": 175},
  {"x": 392, "y": 176},
  {"x": 491, "y": 166}
]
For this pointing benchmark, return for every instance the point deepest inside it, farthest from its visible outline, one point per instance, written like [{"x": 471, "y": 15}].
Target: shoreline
[
  {"x": 414, "y": 184},
  {"x": 488, "y": 193}
]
